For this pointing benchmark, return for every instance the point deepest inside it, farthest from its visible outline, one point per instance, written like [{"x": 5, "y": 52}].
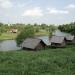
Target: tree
[
  {"x": 51, "y": 29},
  {"x": 1, "y": 24},
  {"x": 69, "y": 28},
  {"x": 1, "y": 28},
  {"x": 28, "y": 31},
  {"x": 43, "y": 26}
]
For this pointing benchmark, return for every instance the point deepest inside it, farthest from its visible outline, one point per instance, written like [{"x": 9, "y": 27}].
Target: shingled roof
[
  {"x": 30, "y": 43},
  {"x": 57, "y": 39}
]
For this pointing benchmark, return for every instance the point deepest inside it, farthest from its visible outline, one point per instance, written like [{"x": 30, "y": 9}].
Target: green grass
[
  {"x": 8, "y": 36},
  {"x": 42, "y": 32},
  {"x": 60, "y": 61}
]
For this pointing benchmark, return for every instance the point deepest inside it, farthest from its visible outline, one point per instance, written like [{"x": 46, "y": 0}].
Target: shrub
[{"x": 28, "y": 31}]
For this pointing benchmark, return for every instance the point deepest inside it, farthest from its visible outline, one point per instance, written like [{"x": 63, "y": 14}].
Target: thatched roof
[
  {"x": 31, "y": 43},
  {"x": 45, "y": 39},
  {"x": 69, "y": 37},
  {"x": 57, "y": 39}
]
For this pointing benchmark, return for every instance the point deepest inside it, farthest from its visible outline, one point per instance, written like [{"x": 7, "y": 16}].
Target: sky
[{"x": 37, "y": 11}]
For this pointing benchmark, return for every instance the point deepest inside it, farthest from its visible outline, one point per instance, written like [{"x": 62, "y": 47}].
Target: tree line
[
  {"x": 37, "y": 27},
  {"x": 69, "y": 28}
]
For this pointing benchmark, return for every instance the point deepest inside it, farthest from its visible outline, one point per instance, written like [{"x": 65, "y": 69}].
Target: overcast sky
[{"x": 37, "y": 11}]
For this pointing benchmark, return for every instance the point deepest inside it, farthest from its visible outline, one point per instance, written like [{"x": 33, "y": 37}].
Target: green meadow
[
  {"x": 11, "y": 36},
  {"x": 59, "y": 61},
  {"x": 8, "y": 36}
]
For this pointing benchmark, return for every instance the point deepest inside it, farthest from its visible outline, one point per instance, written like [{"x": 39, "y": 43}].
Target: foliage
[
  {"x": 44, "y": 26},
  {"x": 37, "y": 28},
  {"x": 70, "y": 28},
  {"x": 51, "y": 29},
  {"x": 1, "y": 24},
  {"x": 28, "y": 31},
  {"x": 1, "y": 28},
  {"x": 60, "y": 61}
]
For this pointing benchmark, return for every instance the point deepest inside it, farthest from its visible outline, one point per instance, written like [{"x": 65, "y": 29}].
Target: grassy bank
[
  {"x": 8, "y": 36},
  {"x": 45, "y": 62}
]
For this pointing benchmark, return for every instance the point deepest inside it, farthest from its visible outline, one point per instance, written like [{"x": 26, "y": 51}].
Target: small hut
[
  {"x": 57, "y": 41},
  {"x": 70, "y": 39},
  {"x": 14, "y": 30},
  {"x": 33, "y": 44}
]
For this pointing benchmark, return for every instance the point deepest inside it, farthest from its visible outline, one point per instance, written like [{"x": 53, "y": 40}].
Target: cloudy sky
[{"x": 37, "y": 11}]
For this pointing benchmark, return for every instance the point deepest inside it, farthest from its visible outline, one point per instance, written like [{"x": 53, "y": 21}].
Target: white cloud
[
  {"x": 5, "y": 3},
  {"x": 55, "y": 11},
  {"x": 71, "y": 6},
  {"x": 35, "y": 12}
]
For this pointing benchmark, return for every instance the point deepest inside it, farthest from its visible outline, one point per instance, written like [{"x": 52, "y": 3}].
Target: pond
[{"x": 8, "y": 45}]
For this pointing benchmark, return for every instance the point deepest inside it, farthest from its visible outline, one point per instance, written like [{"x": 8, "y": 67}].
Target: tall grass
[{"x": 45, "y": 62}]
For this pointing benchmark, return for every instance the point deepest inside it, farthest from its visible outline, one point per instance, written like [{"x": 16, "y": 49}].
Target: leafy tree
[
  {"x": 51, "y": 29},
  {"x": 1, "y": 28},
  {"x": 35, "y": 24},
  {"x": 28, "y": 31},
  {"x": 69, "y": 28},
  {"x": 36, "y": 27},
  {"x": 43, "y": 26},
  {"x": 1, "y": 24}
]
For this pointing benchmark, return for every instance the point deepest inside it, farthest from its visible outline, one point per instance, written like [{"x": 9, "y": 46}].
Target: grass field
[
  {"x": 42, "y": 32},
  {"x": 60, "y": 61},
  {"x": 8, "y": 36}
]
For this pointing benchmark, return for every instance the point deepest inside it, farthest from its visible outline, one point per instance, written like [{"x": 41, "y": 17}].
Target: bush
[{"x": 28, "y": 31}]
